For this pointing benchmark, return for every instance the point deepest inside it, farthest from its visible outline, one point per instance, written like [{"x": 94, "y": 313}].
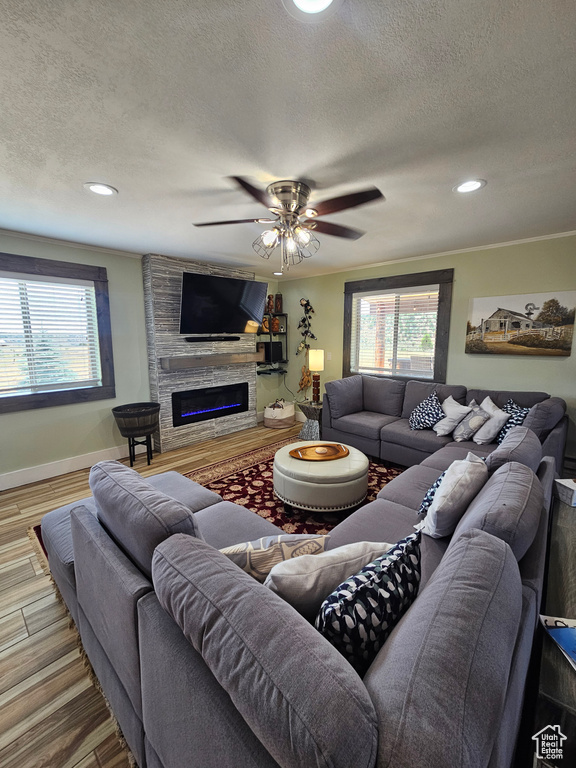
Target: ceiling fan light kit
[{"x": 292, "y": 233}]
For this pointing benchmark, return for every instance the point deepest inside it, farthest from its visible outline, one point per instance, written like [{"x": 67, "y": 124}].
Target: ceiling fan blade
[
  {"x": 257, "y": 194},
  {"x": 347, "y": 201},
  {"x": 327, "y": 228},
  {"x": 234, "y": 221}
]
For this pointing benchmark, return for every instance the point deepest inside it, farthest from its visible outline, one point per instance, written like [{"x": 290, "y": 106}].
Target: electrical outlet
[{"x": 328, "y": 355}]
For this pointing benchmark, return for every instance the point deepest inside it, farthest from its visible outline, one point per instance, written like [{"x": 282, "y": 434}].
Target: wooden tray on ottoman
[{"x": 320, "y": 452}]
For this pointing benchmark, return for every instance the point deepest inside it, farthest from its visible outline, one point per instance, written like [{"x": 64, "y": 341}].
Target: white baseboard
[{"x": 54, "y": 468}]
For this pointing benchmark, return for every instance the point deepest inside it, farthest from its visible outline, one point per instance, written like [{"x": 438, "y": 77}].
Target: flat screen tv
[{"x": 213, "y": 304}]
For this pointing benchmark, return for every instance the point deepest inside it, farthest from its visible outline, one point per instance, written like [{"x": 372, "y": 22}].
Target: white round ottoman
[{"x": 320, "y": 486}]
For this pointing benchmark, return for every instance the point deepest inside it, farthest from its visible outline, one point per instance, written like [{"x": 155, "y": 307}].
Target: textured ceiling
[{"x": 165, "y": 99}]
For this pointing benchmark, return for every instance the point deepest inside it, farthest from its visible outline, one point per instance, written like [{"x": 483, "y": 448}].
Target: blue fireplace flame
[{"x": 209, "y": 410}]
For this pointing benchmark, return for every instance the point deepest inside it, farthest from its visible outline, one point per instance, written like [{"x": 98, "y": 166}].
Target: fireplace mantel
[{"x": 202, "y": 361}]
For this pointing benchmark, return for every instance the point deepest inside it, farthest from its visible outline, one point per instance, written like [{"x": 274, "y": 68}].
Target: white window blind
[
  {"x": 48, "y": 335},
  {"x": 394, "y": 332}
]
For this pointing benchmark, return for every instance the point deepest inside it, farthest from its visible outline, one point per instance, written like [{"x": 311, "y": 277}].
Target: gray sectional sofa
[
  {"x": 204, "y": 667},
  {"x": 371, "y": 413}
]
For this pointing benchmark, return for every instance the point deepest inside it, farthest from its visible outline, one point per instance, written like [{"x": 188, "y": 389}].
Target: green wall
[
  {"x": 45, "y": 435},
  {"x": 537, "y": 266},
  {"x": 32, "y": 438}
]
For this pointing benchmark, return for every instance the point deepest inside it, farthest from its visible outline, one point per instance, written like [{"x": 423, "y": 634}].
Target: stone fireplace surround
[{"x": 176, "y": 365}]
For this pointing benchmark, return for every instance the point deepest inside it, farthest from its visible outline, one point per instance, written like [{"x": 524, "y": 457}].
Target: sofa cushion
[
  {"x": 383, "y": 395},
  {"x": 384, "y": 520},
  {"x": 520, "y": 444},
  {"x": 137, "y": 515},
  {"x": 362, "y": 611},
  {"x": 416, "y": 391},
  {"x": 454, "y": 415},
  {"x": 226, "y": 523},
  {"x": 410, "y": 487},
  {"x": 489, "y": 431},
  {"x": 442, "y": 458},
  {"x": 258, "y": 557},
  {"x": 501, "y": 396},
  {"x": 344, "y": 396},
  {"x": 509, "y": 507},
  {"x": 363, "y": 423},
  {"x": 461, "y": 482},
  {"x": 306, "y": 581},
  {"x": 294, "y": 690},
  {"x": 439, "y": 683},
  {"x": 471, "y": 423},
  {"x": 544, "y": 416},
  {"x": 399, "y": 432}
]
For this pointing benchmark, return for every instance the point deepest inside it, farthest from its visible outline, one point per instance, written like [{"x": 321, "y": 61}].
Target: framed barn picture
[{"x": 522, "y": 324}]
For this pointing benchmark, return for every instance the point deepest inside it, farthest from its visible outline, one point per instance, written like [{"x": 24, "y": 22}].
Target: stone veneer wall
[{"x": 162, "y": 289}]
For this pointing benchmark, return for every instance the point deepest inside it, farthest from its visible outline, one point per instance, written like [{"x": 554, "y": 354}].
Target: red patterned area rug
[{"x": 247, "y": 480}]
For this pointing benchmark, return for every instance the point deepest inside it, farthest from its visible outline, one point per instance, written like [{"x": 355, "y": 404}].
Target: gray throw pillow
[
  {"x": 454, "y": 415},
  {"x": 471, "y": 423},
  {"x": 258, "y": 557},
  {"x": 461, "y": 482},
  {"x": 489, "y": 431},
  {"x": 305, "y": 581}
]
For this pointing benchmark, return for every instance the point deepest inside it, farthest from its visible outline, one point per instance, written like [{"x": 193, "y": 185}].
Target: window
[
  {"x": 398, "y": 326},
  {"x": 55, "y": 344}
]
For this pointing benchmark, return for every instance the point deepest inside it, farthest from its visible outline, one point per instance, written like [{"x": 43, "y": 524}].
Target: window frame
[
  {"x": 37, "y": 267},
  {"x": 443, "y": 278}
]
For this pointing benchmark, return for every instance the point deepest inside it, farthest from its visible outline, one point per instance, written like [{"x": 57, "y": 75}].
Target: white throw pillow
[
  {"x": 454, "y": 415},
  {"x": 307, "y": 580},
  {"x": 463, "y": 480},
  {"x": 488, "y": 431}
]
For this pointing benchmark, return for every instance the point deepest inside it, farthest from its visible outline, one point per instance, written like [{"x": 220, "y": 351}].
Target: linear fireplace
[{"x": 195, "y": 405}]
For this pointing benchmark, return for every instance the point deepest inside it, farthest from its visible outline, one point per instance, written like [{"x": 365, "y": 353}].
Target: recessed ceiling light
[
  {"x": 100, "y": 189},
  {"x": 279, "y": 274},
  {"x": 312, "y": 6},
  {"x": 311, "y": 10},
  {"x": 470, "y": 186}
]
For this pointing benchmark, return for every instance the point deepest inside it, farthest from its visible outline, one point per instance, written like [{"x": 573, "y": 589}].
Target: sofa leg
[{"x": 288, "y": 510}]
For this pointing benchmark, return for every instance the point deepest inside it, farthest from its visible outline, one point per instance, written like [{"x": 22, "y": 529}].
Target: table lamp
[{"x": 316, "y": 364}]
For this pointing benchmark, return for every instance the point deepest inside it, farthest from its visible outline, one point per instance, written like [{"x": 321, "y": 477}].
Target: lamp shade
[{"x": 316, "y": 359}]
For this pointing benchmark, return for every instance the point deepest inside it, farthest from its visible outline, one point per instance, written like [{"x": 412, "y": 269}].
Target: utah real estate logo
[{"x": 549, "y": 743}]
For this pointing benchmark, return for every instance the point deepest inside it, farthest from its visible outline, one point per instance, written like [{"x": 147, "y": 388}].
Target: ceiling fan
[{"x": 295, "y": 223}]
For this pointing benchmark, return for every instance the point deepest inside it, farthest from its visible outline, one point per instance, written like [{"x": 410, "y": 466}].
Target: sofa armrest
[
  {"x": 326, "y": 413},
  {"x": 555, "y": 443}
]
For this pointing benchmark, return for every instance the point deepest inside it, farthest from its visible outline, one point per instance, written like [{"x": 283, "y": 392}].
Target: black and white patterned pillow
[
  {"x": 430, "y": 493},
  {"x": 427, "y": 413},
  {"x": 517, "y": 416},
  {"x": 360, "y": 613}
]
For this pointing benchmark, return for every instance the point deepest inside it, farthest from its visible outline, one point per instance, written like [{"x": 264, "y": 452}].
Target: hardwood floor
[{"x": 50, "y": 714}]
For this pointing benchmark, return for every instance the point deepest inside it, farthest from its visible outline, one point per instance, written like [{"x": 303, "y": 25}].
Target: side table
[
  {"x": 313, "y": 412},
  {"x": 557, "y": 700}
]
